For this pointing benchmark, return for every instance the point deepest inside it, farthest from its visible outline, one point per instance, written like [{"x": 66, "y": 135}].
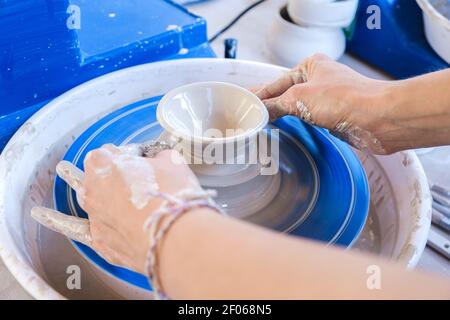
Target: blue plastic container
[
  {"x": 399, "y": 46},
  {"x": 50, "y": 46}
]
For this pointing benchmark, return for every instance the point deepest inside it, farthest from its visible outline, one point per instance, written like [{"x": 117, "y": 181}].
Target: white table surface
[{"x": 250, "y": 32}]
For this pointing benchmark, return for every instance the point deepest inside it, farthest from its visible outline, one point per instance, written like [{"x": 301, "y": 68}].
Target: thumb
[{"x": 293, "y": 102}]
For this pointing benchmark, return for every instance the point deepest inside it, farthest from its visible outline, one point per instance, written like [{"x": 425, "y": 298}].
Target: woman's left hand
[{"x": 115, "y": 191}]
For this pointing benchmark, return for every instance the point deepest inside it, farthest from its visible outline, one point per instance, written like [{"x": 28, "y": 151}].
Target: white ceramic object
[
  {"x": 322, "y": 13},
  {"x": 400, "y": 211},
  {"x": 39, "y": 258},
  {"x": 211, "y": 115},
  {"x": 290, "y": 43},
  {"x": 437, "y": 29}
]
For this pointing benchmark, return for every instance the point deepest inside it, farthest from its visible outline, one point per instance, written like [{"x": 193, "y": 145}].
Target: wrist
[
  {"x": 364, "y": 118},
  {"x": 390, "y": 115},
  {"x": 416, "y": 113},
  {"x": 390, "y": 107},
  {"x": 172, "y": 228},
  {"x": 184, "y": 225}
]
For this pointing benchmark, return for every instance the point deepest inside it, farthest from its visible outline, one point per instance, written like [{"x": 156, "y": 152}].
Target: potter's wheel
[
  {"x": 38, "y": 258},
  {"x": 319, "y": 192}
]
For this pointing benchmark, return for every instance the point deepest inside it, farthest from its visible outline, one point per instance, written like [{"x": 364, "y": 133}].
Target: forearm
[
  {"x": 381, "y": 117},
  {"x": 415, "y": 113},
  {"x": 205, "y": 255}
]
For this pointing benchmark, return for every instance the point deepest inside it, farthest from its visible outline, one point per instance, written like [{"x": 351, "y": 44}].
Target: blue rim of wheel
[{"x": 339, "y": 212}]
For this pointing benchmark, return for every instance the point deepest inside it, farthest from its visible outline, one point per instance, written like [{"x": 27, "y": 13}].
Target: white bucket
[
  {"x": 437, "y": 29},
  {"x": 400, "y": 211},
  {"x": 39, "y": 258},
  {"x": 290, "y": 43}
]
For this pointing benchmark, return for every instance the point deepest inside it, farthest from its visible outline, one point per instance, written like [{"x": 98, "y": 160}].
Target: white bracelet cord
[{"x": 173, "y": 206}]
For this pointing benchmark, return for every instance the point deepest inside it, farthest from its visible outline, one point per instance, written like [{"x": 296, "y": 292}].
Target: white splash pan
[{"x": 38, "y": 258}]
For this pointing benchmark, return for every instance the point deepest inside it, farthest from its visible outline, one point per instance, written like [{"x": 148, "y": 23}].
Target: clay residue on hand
[
  {"x": 277, "y": 110},
  {"x": 358, "y": 137},
  {"x": 70, "y": 226},
  {"x": 103, "y": 172},
  {"x": 303, "y": 112},
  {"x": 140, "y": 178},
  {"x": 298, "y": 76},
  {"x": 74, "y": 178},
  {"x": 151, "y": 149},
  {"x": 132, "y": 149},
  {"x": 274, "y": 108},
  {"x": 72, "y": 175}
]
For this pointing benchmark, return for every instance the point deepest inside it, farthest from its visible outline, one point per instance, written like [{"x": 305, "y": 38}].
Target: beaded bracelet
[{"x": 173, "y": 207}]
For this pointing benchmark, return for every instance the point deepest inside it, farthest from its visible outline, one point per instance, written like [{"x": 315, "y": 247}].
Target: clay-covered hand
[
  {"x": 117, "y": 191},
  {"x": 324, "y": 92}
]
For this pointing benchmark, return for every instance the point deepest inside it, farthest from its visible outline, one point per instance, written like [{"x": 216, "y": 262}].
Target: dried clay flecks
[
  {"x": 140, "y": 178},
  {"x": 357, "y": 137},
  {"x": 303, "y": 112}
]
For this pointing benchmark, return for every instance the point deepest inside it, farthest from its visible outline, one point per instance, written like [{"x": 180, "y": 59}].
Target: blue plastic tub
[
  {"x": 399, "y": 46},
  {"x": 50, "y": 46}
]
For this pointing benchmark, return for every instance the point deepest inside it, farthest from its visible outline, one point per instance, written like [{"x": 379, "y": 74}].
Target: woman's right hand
[
  {"x": 381, "y": 117},
  {"x": 326, "y": 93}
]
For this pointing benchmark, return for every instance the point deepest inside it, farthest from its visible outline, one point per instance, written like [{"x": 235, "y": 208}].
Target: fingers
[
  {"x": 300, "y": 74},
  {"x": 99, "y": 162},
  {"x": 72, "y": 227},
  {"x": 296, "y": 76},
  {"x": 293, "y": 102},
  {"x": 255, "y": 89},
  {"x": 279, "y": 86},
  {"x": 100, "y": 158},
  {"x": 117, "y": 150},
  {"x": 71, "y": 174},
  {"x": 134, "y": 149}
]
